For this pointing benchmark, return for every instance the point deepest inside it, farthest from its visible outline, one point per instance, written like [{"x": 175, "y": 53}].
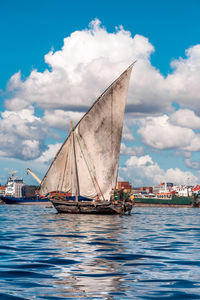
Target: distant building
[
  {"x": 147, "y": 189},
  {"x": 156, "y": 189},
  {"x": 124, "y": 185},
  {"x": 135, "y": 190}
]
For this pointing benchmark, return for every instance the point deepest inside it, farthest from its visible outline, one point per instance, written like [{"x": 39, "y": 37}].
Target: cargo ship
[
  {"x": 163, "y": 194},
  {"x": 16, "y": 192},
  {"x": 168, "y": 199}
]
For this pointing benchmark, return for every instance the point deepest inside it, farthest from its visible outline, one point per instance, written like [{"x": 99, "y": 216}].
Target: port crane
[{"x": 33, "y": 174}]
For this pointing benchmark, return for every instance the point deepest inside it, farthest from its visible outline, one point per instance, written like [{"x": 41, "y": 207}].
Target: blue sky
[{"x": 29, "y": 30}]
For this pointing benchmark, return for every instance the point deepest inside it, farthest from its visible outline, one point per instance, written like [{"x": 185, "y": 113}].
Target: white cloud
[
  {"x": 142, "y": 161},
  {"x": 183, "y": 83},
  {"x": 24, "y": 114},
  {"x": 61, "y": 119},
  {"x": 87, "y": 63},
  {"x": 144, "y": 171},
  {"x": 192, "y": 164},
  {"x": 184, "y": 154},
  {"x": 30, "y": 149},
  {"x": 141, "y": 171},
  {"x": 91, "y": 59},
  {"x": 21, "y": 134},
  {"x": 134, "y": 150},
  {"x": 17, "y": 104},
  {"x": 159, "y": 133},
  {"x": 185, "y": 118},
  {"x": 179, "y": 177},
  {"x": 127, "y": 134},
  {"x": 48, "y": 155}
]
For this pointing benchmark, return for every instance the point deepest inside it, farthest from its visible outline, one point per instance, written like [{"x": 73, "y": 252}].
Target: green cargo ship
[{"x": 174, "y": 201}]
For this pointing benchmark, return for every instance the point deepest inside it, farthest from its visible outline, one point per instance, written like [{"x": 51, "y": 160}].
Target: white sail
[
  {"x": 58, "y": 177},
  {"x": 87, "y": 163}
]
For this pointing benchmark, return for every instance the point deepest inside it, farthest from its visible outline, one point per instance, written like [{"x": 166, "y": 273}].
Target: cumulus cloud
[
  {"x": 144, "y": 171},
  {"x": 159, "y": 133},
  {"x": 184, "y": 154},
  {"x": 192, "y": 164},
  {"x": 61, "y": 119},
  {"x": 134, "y": 150},
  {"x": 48, "y": 155},
  {"x": 21, "y": 134},
  {"x": 87, "y": 63},
  {"x": 16, "y": 104},
  {"x": 91, "y": 59},
  {"x": 183, "y": 82},
  {"x": 127, "y": 134},
  {"x": 185, "y": 118}
]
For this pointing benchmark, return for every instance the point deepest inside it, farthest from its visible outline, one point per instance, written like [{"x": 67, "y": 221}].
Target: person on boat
[
  {"x": 116, "y": 195},
  {"x": 96, "y": 198},
  {"x": 121, "y": 194},
  {"x": 112, "y": 195},
  {"x": 128, "y": 202},
  {"x": 125, "y": 195}
]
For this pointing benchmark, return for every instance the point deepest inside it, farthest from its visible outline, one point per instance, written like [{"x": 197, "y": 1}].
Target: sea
[{"x": 152, "y": 254}]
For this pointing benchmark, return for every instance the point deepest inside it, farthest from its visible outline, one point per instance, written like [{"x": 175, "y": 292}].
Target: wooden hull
[{"x": 63, "y": 205}]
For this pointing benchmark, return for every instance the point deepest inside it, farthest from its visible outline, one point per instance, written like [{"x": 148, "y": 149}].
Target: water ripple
[{"x": 152, "y": 254}]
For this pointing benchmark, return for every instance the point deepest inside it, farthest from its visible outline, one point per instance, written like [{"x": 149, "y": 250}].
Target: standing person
[
  {"x": 129, "y": 202},
  {"x": 125, "y": 195},
  {"x": 112, "y": 195},
  {"x": 121, "y": 193}
]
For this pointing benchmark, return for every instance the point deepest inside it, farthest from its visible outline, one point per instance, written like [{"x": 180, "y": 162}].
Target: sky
[{"x": 57, "y": 57}]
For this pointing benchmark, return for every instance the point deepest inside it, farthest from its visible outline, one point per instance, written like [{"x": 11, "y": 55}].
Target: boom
[{"x": 34, "y": 176}]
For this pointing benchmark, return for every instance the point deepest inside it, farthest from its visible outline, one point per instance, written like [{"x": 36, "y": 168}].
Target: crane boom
[{"x": 34, "y": 176}]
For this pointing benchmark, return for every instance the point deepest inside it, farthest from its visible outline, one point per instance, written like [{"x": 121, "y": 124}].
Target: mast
[{"x": 74, "y": 170}]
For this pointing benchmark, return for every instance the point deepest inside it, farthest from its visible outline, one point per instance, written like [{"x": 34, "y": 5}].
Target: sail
[
  {"x": 58, "y": 177},
  {"x": 87, "y": 162}
]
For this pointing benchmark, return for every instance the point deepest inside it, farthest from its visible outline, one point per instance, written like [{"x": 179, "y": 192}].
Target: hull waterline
[
  {"x": 24, "y": 200},
  {"x": 90, "y": 207}
]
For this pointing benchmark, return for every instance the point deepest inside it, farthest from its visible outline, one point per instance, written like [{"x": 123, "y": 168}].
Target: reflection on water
[
  {"x": 85, "y": 239},
  {"x": 152, "y": 254}
]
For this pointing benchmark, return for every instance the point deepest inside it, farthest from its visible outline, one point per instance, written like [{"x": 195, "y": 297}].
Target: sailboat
[{"x": 84, "y": 171}]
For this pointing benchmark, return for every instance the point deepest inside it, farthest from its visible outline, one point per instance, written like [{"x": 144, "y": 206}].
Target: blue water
[{"x": 152, "y": 254}]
